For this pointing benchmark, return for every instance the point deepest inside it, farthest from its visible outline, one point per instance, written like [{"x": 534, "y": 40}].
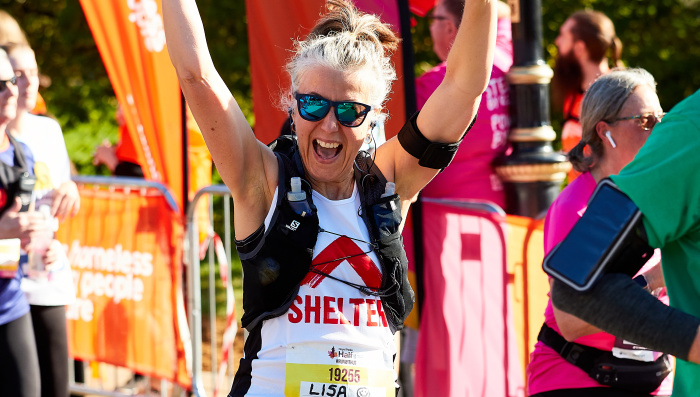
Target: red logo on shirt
[
  {"x": 330, "y": 309},
  {"x": 344, "y": 247},
  {"x": 3, "y": 197}
]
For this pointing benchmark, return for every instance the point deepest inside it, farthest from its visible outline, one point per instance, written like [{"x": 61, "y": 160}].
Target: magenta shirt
[
  {"x": 547, "y": 369},
  {"x": 470, "y": 175}
]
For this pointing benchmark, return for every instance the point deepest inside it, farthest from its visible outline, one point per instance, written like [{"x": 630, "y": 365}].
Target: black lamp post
[{"x": 533, "y": 172}]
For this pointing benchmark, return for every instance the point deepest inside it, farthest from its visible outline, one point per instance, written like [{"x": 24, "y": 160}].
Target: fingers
[
  {"x": 14, "y": 210},
  {"x": 66, "y": 202},
  {"x": 102, "y": 152},
  {"x": 76, "y": 207},
  {"x": 31, "y": 221},
  {"x": 40, "y": 239},
  {"x": 53, "y": 254},
  {"x": 31, "y": 227},
  {"x": 62, "y": 205}
]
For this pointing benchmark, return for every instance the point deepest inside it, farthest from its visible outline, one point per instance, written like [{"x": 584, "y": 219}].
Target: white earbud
[{"x": 612, "y": 142}]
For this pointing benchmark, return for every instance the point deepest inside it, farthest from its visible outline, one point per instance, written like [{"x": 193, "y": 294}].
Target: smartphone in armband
[{"x": 609, "y": 238}]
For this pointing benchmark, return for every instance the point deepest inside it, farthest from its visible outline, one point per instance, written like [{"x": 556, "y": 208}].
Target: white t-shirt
[
  {"x": 333, "y": 339},
  {"x": 44, "y": 137}
]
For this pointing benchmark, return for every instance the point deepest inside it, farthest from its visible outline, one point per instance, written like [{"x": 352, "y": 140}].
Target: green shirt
[{"x": 664, "y": 181}]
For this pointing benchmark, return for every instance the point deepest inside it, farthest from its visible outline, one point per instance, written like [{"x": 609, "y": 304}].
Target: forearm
[
  {"x": 470, "y": 60},
  {"x": 454, "y": 104},
  {"x": 694, "y": 354},
  {"x": 572, "y": 327},
  {"x": 223, "y": 125},
  {"x": 184, "y": 34},
  {"x": 619, "y": 306}
]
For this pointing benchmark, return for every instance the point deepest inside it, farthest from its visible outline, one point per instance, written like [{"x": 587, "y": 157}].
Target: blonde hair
[
  {"x": 10, "y": 31},
  {"x": 346, "y": 40}
]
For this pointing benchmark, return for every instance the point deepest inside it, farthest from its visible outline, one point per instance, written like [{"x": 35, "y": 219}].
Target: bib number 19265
[{"x": 344, "y": 375}]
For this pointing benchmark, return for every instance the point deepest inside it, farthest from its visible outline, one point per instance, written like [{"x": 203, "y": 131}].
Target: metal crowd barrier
[
  {"x": 474, "y": 205},
  {"x": 120, "y": 381},
  {"x": 204, "y": 383}
]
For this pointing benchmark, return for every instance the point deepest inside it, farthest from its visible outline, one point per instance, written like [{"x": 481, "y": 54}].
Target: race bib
[
  {"x": 325, "y": 369},
  {"x": 631, "y": 351},
  {"x": 9, "y": 257}
]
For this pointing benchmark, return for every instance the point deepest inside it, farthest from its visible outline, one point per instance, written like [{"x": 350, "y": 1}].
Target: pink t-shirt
[
  {"x": 470, "y": 175},
  {"x": 547, "y": 369}
]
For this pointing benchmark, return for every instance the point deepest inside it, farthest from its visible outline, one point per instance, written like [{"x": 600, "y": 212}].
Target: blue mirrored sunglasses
[{"x": 315, "y": 108}]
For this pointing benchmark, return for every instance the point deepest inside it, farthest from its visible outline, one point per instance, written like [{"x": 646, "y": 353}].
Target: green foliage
[
  {"x": 84, "y": 137},
  {"x": 219, "y": 291},
  {"x": 227, "y": 36},
  {"x": 80, "y": 94},
  {"x": 422, "y": 46},
  {"x": 662, "y": 36}
]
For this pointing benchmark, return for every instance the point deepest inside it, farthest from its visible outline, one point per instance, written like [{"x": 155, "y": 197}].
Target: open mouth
[{"x": 326, "y": 150}]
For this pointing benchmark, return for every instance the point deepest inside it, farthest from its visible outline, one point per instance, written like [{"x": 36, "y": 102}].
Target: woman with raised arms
[{"x": 318, "y": 221}]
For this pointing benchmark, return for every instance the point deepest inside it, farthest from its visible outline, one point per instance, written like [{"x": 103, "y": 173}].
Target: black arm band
[
  {"x": 433, "y": 155},
  {"x": 617, "y": 304}
]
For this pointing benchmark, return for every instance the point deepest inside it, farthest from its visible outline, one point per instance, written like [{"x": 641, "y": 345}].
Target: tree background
[{"x": 662, "y": 36}]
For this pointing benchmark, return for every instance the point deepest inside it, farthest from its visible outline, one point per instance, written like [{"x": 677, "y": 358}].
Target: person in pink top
[
  {"x": 618, "y": 114},
  {"x": 470, "y": 175}
]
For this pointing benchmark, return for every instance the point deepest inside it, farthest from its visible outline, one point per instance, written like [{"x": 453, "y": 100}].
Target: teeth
[{"x": 327, "y": 145}]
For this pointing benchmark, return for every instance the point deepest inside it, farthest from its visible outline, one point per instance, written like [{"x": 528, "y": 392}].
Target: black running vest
[
  {"x": 276, "y": 260},
  {"x": 16, "y": 179}
]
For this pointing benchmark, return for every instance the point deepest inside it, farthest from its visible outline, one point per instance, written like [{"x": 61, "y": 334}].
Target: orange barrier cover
[
  {"x": 525, "y": 252},
  {"x": 125, "y": 248},
  {"x": 130, "y": 37}
]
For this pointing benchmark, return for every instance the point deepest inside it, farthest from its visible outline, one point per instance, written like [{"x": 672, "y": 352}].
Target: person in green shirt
[{"x": 663, "y": 181}]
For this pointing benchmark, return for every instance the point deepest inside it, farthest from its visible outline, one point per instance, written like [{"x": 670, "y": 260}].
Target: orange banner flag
[{"x": 130, "y": 37}]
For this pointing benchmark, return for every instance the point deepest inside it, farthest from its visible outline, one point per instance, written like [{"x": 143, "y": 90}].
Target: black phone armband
[
  {"x": 433, "y": 155},
  {"x": 609, "y": 238}
]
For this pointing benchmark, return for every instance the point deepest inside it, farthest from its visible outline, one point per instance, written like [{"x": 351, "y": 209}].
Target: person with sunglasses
[
  {"x": 619, "y": 112},
  {"x": 334, "y": 330},
  {"x": 470, "y": 176},
  {"x": 662, "y": 184},
  {"x": 19, "y": 367}
]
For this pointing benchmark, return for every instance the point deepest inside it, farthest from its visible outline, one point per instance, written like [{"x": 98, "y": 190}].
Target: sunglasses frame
[
  {"x": 641, "y": 117},
  {"x": 332, "y": 104},
  {"x": 3, "y": 83}
]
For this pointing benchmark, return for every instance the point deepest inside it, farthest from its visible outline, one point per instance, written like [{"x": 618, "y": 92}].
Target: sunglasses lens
[
  {"x": 313, "y": 108},
  {"x": 650, "y": 120},
  {"x": 350, "y": 114}
]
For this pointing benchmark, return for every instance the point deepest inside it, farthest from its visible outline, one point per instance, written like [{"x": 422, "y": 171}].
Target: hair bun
[{"x": 343, "y": 17}]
